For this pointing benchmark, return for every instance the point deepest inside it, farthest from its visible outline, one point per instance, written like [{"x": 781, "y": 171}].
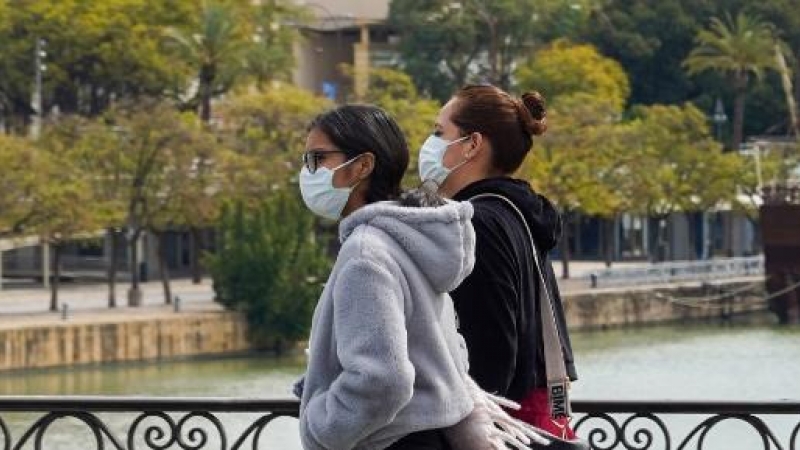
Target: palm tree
[
  {"x": 215, "y": 50},
  {"x": 741, "y": 48}
]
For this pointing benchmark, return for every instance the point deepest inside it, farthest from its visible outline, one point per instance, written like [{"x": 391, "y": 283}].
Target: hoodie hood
[
  {"x": 440, "y": 240},
  {"x": 542, "y": 217}
]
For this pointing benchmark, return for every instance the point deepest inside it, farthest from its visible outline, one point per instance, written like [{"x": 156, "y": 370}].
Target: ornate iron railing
[
  {"x": 195, "y": 423},
  {"x": 640, "y": 425}
]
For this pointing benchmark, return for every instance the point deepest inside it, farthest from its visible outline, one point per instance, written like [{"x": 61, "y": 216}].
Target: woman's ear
[
  {"x": 365, "y": 165},
  {"x": 475, "y": 145}
]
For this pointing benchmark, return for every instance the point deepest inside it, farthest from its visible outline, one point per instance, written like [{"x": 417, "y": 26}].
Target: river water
[{"x": 698, "y": 361}]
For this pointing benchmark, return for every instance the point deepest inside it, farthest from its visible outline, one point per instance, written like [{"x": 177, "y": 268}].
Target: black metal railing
[
  {"x": 639, "y": 425},
  {"x": 194, "y": 423}
]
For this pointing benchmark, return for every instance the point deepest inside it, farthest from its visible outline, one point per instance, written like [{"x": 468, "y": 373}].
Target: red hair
[{"x": 508, "y": 122}]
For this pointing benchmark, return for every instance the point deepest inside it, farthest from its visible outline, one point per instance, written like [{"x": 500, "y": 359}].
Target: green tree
[
  {"x": 214, "y": 47},
  {"x": 92, "y": 146},
  {"x": 265, "y": 132},
  {"x": 94, "y": 52},
  {"x": 649, "y": 38},
  {"x": 782, "y": 14},
  {"x": 578, "y": 161},
  {"x": 147, "y": 148},
  {"x": 741, "y": 48},
  {"x": 49, "y": 202},
  {"x": 439, "y": 43},
  {"x": 68, "y": 203},
  {"x": 563, "y": 68},
  {"x": 446, "y": 44},
  {"x": 270, "y": 267},
  {"x": 679, "y": 167},
  {"x": 22, "y": 190},
  {"x": 67, "y": 213},
  {"x": 13, "y": 80},
  {"x": 270, "y": 57},
  {"x": 506, "y": 27},
  {"x": 394, "y": 91},
  {"x": 567, "y": 162},
  {"x": 191, "y": 192}
]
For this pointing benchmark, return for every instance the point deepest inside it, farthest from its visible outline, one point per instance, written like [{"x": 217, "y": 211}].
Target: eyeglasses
[{"x": 313, "y": 158}]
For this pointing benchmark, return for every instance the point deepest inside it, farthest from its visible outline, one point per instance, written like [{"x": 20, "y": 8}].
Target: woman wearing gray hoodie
[{"x": 386, "y": 368}]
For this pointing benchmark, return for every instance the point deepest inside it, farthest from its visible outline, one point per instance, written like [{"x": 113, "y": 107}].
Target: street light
[
  {"x": 36, "y": 101},
  {"x": 719, "y": 118}
]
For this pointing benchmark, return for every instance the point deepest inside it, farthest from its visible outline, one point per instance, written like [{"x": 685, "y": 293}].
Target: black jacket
[{"x": 497, "y": 313}]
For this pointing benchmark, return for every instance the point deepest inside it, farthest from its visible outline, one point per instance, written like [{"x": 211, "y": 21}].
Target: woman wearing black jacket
[{"x": 481, "y": 137}]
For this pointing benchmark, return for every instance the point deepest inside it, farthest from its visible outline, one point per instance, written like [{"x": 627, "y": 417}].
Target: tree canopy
[{"x": 562, "y": 68}]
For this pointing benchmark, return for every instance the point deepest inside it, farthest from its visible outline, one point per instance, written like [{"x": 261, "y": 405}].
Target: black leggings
[{"x": 422, "y": 440}]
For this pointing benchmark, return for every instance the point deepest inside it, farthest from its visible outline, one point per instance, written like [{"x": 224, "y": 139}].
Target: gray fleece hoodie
[{"x": 385, "y": 358}]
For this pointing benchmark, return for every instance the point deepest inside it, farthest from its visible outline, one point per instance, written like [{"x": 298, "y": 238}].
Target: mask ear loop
[
  {"x": 346, "y": 163},
  {"x": 466, "y": 160}
]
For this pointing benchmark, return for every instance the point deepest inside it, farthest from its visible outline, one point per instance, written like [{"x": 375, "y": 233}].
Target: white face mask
[
  {"x": 431, "y": 166},
  {"x": 319, "y": 194}
]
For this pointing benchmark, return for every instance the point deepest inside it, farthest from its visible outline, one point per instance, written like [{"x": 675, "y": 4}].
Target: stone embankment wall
[
  {"x": 601, "y": 308},
  {"x": 122, "y": 339},
  {"x": 191, "y": 334}
]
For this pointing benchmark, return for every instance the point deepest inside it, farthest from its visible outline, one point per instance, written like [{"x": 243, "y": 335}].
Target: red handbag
[{"x": 535, "y": 410}]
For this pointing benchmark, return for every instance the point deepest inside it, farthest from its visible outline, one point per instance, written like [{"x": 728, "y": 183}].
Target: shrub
[{"x": 270, "y": 266}]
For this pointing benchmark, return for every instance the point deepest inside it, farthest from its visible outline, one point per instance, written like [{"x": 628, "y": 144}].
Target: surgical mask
[
  {"x": 431, "y": 166},
  {"x": 319, "y": 194}
]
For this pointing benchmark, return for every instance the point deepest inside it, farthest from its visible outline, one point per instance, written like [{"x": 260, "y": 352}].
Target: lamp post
[
  {"x": 37, "y": 104},
  {"x": 719, "y": 118},
  {"x": 36, "y": 98}
]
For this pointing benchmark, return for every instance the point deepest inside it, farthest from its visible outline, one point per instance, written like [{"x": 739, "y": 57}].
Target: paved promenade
[
  {"x": 21, "y": 306},
  {"x": 89, "y": 302}
]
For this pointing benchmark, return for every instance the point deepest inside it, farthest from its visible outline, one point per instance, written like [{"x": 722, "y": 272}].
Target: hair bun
[{"x": 535, "y": 104}]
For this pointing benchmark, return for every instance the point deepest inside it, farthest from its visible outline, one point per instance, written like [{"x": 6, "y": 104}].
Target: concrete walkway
[{"x": 90, "y": 301}]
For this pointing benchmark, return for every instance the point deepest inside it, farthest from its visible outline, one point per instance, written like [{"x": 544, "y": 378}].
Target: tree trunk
[
  {"x": 738, "y": 113},
  {"x": 134, "y": 296},
  {"x": 493, "y": 51},
  {"x": 729, "y": 233},
  {"x": 563, "y": 245},
  {"x": 691, "y": 220},
  {"x": 205, "y": 108},
  {"x": 608, "y": 240},
  {"x": 197, "y": 248},
  {"x": 163, "y": 267},
  {"x": 112, "y": 268},
  {"x": 56, "y": 274},
  {"x": 661, "y": 238},
  {"x": 657, "y": 251},
  {"x": 797, "y": 93},
  {"x": 207, "y": 75}
]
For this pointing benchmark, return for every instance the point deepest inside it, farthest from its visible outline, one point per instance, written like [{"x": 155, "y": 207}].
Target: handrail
[
  {"x": 606, "y": 424},
  {"x": 784, "y": 406},
  {"x": 103, "y": 403},
  {"x": 122, "y": 403},
  {"x": 669, "y": 272}
]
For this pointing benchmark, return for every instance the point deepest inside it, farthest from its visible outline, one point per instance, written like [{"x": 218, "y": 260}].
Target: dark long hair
[{"x": 359, "y": 129}]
